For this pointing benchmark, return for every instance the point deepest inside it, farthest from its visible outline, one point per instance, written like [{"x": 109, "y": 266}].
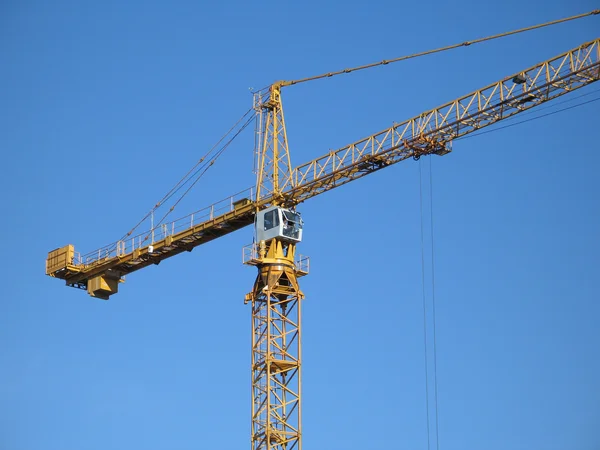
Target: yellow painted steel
[
  {"x": 274, "y": 165},
  {"x": 105, "y": 285},
  {"x": 431, "y": 132},
  {"x": 61, "y": 259},
  {"x": 276, "y": 301},
  {"x": 276, "y": 297}
]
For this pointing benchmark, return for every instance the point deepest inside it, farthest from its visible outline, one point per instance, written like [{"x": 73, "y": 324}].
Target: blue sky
[{"x": 106, "y": 104}]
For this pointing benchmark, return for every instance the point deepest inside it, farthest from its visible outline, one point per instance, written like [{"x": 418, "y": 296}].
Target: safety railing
[
  {"x": 163, "y": 230},
  {"x": 250, "y": 256}
]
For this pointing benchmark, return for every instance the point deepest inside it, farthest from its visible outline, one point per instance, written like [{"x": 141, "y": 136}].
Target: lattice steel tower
[{"x": 276, "y": 298}]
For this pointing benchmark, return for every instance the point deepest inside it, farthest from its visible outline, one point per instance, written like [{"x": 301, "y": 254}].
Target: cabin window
[
  {"x": 271, "y": 219},
  {"x": 291, "y": 224}
]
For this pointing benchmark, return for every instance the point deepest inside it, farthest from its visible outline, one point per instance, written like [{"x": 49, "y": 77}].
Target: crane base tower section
[{"x": 276, "y": 349}]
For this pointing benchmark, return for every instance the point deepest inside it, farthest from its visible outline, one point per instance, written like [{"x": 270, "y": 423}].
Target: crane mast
[
  {"x": 276, "y": 297},
  {"x": 274, "y": 162}
]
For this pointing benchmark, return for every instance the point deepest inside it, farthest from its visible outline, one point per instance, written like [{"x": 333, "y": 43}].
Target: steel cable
[
  {"x": 206, "y": 167},
  {"x": 441, "y": 49},
  {"x": 187, "y": 177},
  {"x": 433, "y": 307},
  {"x": 424, "y": 310},
  {"x": 526, "y": 120}
]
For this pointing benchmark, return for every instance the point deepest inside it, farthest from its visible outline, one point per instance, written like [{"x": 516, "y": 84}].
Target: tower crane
[{"x": 276, "y": 297}]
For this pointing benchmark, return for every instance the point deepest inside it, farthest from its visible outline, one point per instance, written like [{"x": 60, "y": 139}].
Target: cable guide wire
[
  {"x": 437, "y": 50},
  {"x": 193, "y": 175}
]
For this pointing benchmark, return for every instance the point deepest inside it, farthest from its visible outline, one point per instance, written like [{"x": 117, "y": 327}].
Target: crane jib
[{"x": 432, "y": 132}]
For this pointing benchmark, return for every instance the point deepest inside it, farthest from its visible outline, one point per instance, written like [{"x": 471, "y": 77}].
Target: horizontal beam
[
  {"x": 510, "y": 96},
  {"x": 123, "y": 262},
  {"x": 432, "y": 132}
]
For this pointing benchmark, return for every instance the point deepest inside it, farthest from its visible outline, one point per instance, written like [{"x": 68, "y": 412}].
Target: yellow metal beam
[
  {"x": 274, "y": 164},
  {"x": 276, "y": 302},
  {"x": 512, "y": 95},
  {"x": 432, "y": 132}
]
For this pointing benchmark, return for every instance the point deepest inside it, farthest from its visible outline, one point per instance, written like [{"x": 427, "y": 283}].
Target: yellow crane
[{"x": 276, "y": 297}]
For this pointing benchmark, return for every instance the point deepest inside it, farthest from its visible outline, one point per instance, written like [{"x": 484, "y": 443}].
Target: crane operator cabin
[{"x": 281, "y": 223}]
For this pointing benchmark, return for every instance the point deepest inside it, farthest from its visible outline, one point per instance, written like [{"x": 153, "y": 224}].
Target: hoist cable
[
  {"x": 437, "y": 424},
  {"x": 438, "y": 50},
  {"x": 424, "y": 310},
  {"x": 182, "y": 183},
  {"x": 433, "y": 306},
  {"x": 185, "y": 179},
  {"x": 206, "y": 167}
]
